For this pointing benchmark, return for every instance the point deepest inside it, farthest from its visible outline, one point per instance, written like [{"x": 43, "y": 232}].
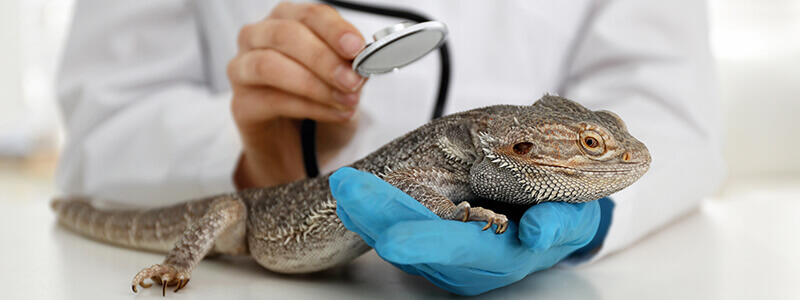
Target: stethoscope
[{"x": 393, "y": 48}]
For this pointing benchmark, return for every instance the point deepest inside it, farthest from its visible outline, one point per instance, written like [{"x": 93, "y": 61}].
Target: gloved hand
[{"x": 454, "y": 255}]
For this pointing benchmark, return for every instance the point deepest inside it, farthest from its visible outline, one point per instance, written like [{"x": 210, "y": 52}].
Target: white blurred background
[
  {"x": 756, "y": 45},
  {"x": 741, "y": 244}
]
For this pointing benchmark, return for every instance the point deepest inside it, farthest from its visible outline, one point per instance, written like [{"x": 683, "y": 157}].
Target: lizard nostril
[{"x": 626, "y": 157}]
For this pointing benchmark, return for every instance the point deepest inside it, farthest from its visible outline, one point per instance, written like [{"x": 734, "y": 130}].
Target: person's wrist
[
  {"x": 250, "y": 173},
  {"x": 242, "y": 176}
]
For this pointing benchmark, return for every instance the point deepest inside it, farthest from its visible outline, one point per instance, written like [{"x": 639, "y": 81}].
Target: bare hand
[{"x": 294, "y": 64}]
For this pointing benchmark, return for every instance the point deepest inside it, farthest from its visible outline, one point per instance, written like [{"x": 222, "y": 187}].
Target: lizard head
[{"x": 555, "y": 150}]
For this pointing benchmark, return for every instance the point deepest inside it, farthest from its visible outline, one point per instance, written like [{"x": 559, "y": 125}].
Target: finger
[
  {"x": 559, "y": 224},
  {"x": 452, "y": 243},
  {"x": 370, "y": 205},
  {"x": 270, "y": 67},
  {"x": 297, "y": 41},
  {"x": 267, "y": 104},
  {"x": 326, "y": 23}
]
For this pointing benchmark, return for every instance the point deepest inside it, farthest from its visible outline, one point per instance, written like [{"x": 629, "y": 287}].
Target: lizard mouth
[{"x": 569, "y": 169}]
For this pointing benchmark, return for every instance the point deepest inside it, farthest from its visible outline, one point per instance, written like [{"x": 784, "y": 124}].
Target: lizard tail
[{"x": 153, "y": 229}]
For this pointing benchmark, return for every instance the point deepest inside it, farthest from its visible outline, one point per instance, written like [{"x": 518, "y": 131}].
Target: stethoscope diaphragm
[{"x": 399, "y": 45}]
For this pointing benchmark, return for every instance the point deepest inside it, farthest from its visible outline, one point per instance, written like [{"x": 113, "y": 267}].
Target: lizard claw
[
  {"x": 502, "y": 228},
  {"x": 144, "y": 285},
  {"x": 490, "y": 217},
  {"x": 181, "y": 283},
  {"x": 165, "y": 275},
  {"x": 488, "y": 224}
]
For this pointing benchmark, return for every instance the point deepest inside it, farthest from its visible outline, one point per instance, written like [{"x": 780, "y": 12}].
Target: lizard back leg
[
  {"x": 222, "y": 228},
  {"x": 294, "y": 228}
]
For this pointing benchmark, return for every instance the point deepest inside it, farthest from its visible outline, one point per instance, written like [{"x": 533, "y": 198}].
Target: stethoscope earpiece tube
[
  {"x": 308, "y": 140},
  {"x": 308, "y": 127},
  {"x": 444, "y": 81}
]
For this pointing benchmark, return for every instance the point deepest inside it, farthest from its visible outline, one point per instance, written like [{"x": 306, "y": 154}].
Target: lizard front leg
[
  {"x": 430, "y": 185},
  {"x": 222, "y": 222}
]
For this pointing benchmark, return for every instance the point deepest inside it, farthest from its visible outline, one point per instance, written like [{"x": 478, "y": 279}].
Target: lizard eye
[
  {"x": 592, "y": 142},
  {"x": 523, "y": 148}
]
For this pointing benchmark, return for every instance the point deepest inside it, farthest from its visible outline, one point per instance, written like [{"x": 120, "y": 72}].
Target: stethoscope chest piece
[{"x": 399, "y": 45}]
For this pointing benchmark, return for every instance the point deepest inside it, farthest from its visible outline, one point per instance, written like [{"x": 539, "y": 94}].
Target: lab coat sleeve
[
  {"x": 142, "y": 124},
  {"x": 649, "y": 61}
]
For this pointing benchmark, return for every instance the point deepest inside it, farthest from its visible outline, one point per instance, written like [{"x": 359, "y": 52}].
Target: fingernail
[
  {"x": 348, "y": 100},
  {"x": 351, "y": 44},
  {"x": 346, "y": 114},
  {"x": 347, "y": 77}
]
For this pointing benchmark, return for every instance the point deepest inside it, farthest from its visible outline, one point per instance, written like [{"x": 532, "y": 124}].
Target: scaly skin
[{"x": 554, "y": 150}]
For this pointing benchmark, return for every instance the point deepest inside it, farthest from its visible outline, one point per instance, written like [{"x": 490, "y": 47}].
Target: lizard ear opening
[{"x": 523, "y": 148}]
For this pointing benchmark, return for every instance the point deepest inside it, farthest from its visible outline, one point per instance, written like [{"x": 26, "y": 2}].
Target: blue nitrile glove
[{"x": 454, "y": 255}]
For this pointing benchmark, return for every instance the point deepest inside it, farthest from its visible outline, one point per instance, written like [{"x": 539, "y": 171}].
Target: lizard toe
[
  {"x": 165, "y": 275},
  {"x": 465, "y": 207},
  {"x": 181, "y": 283},
  {"x": 490, "y": 217},
  {"x": 502, "y": 224}
]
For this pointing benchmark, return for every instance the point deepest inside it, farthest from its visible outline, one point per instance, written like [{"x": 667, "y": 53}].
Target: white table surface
[{"x": 743, "y": 244}]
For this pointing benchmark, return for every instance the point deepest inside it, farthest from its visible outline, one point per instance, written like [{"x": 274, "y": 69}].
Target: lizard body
[{"x": 553, "y": 150}]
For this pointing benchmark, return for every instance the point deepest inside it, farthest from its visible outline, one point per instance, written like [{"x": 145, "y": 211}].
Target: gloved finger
[
  {"x": 370, "y": 205},
  {"x": 559, "y": 224},
  {"x": 467, "y": 281},
  {"x": 451, "y": 243},
  {"x": 410, "y": 269},
  {"x": 355, "y": 226},
  {"x": 472, "y": 281}
]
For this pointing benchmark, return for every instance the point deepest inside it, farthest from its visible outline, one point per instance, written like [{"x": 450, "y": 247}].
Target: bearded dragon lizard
[{"x": 553, "y": 150}]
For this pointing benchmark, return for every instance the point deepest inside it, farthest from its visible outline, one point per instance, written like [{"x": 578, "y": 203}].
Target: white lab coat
[{"x": 146, "y": 99}]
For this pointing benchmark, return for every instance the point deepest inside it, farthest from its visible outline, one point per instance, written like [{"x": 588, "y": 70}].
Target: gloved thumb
[{"x": 368, "y": 205}]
